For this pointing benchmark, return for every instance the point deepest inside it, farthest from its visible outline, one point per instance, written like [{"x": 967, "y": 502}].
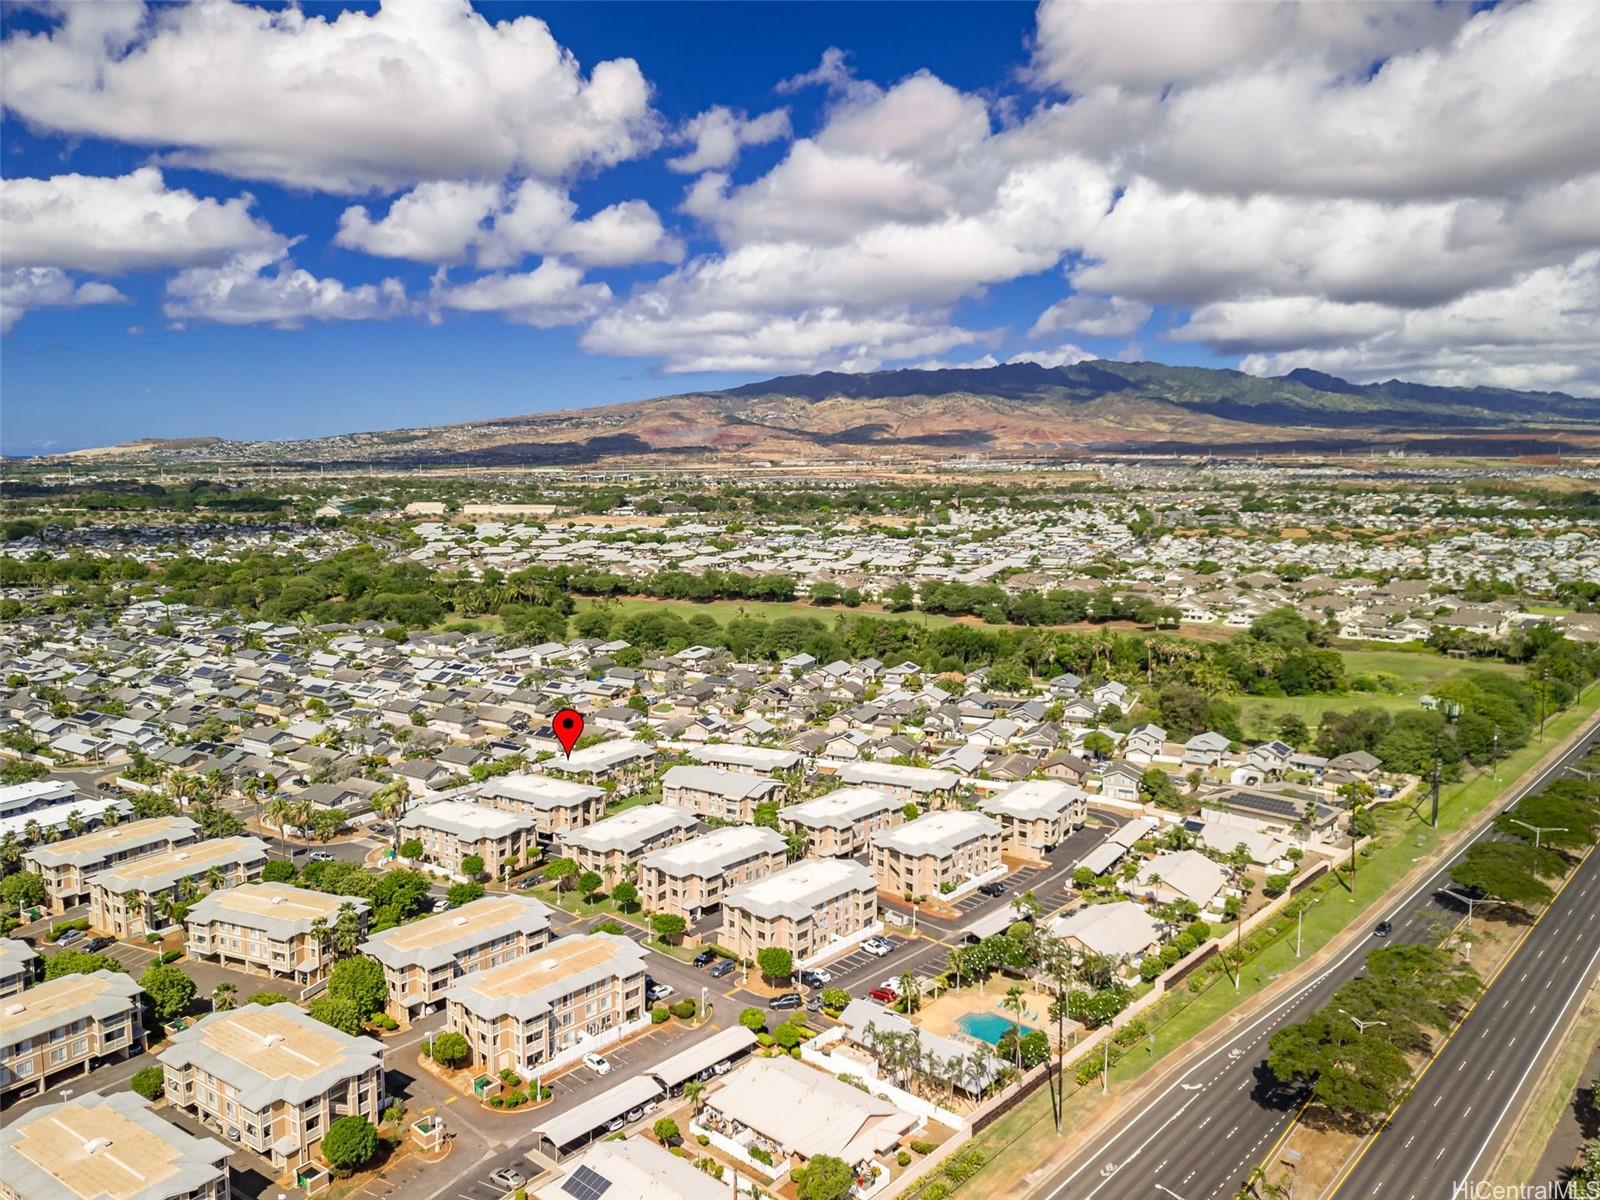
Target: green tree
[
  {"x": 411, "y": 848},
  {"x": 561, "y": 872},
  {"x": 450, "y": 1048},
  {"x": 753, "y": 1019},
  {"x": 278, "y": 871},
  {"x": 626, "y": 895},
  {"x": 775, "y": 962},
  {"x": 359, "y": 980},
  {"x": 148, "y": 1082},
  {"x": 588, "y": 884},
  {"x": 22, "y": 890},
  {"x": 170, "y": 990},
  {"x": 668, "y": 926},
  {"x": 1509, "y": 871},
  {"x": 788, "y": 1035},
  {"x": 458, "y": 894},
  {"x": 350, "y": 1143},
  {"x": 267, "y": 999},
  {"x": 340, "y": 1012},
  {"x": 666, "y": 1131},
  {"x": 835, "y": 998},
  {"x": 825, "y": 1178},
  {"x": 472, "y": 866}
]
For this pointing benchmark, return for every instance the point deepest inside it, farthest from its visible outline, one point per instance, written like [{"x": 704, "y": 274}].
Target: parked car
[
  {"x": 725, "y": 967},
  {"x": 816, "y": 977},
  {"x": 992, "y": 888},
  {"x": 441, "y": 905},
  {"x": 70, "y": 936},
  {"x": 508, "y": 1178},
  {"x": 380, "y": 827},
  {"x": 878, "y": 946},
  {"x": 635, "y": 1114},
  {"x": 883, "y": 995},
  {"x": 658, "y": 991},
  {"x": 787, "y": 1000},
  {"x": 722, "y": 1068},
  {"x": 321, "y": 856},
  {"x": 815, "y": 1003},
  {"x": 891, "y": 984},
  {"x": 614, "y": 1125},
  {"x": 1384, "y": 929},
  {"x": 597, "y": 1064},
  {"x": 705, "y": 958},
  {"x": 95, "y": 944}
]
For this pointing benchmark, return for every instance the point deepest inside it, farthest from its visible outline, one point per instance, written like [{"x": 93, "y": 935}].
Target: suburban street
[{"x": 1199, "y": 1137}]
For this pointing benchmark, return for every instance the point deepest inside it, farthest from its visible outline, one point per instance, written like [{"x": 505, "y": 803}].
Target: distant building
[
  {"x": 18, "y": 963},
  {"x": 1037, "y": 815},
  {"x": 555, "y": 806},
  {"x": 611, "y": 847},
  {"x": 126, "y": 901},
  {"x": 631, "y": 1169},
  {"x": 726, "y": 795},
  {"x": 451, "y": 830},
  {"x": 924, "y": 785}
]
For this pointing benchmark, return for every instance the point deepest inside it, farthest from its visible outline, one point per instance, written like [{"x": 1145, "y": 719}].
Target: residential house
[
  {"x": 1121, "y": 930},
  {"x": 271, "y": 928},
  {"x": 1180, "y": 875},
  {"x": 453, "y": 830},
  {"x": 690, "y": 879},
  {"x": 630, "y": 1169},
  {"x": 555, "y": 806},
  {"x": 613, "y": 847}
]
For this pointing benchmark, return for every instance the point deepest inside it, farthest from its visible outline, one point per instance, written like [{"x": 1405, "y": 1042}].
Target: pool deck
[{"x": 943, "y": 1015}]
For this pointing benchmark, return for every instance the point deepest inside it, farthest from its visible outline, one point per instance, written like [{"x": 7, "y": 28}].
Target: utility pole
[
  {"x": 1543, "y": 676},
  {"x": 1362, "y": 1026}
]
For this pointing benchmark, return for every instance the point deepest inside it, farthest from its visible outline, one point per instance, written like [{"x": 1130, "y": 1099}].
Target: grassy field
[{"x": 1023, "y": 1139}]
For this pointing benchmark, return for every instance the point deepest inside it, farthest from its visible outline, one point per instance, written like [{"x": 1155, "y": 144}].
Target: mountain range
[{"x": 1017, "y": 410}]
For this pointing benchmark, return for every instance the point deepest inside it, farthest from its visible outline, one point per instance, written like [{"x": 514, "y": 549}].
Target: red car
[{"x": 883, "y": 995}]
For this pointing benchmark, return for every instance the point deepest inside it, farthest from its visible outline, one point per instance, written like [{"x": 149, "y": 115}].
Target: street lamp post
[
  {"x": 1361, "y": 1026},
  {"x": 1538, "y": 830}
]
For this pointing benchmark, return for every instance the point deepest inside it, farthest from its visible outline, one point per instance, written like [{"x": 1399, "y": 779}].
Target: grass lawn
[{"x": 1022, "y": 1139}]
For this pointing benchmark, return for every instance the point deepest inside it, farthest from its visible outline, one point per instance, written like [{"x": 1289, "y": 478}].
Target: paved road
[
  {"x": 1441, "y": 1136},
  {"x": 1200, "y": 1136}
]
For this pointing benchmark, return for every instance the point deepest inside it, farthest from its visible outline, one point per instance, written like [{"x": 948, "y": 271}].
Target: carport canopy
[
  {"x": 686, "y": 1064},
  {"x": 576, "y": 1123}
]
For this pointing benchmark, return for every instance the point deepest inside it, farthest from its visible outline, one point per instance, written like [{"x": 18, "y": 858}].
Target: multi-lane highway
[{"x": 1198, "y": 1138}]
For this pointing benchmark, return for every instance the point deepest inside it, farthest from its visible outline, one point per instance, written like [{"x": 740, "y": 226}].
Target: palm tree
[
  {"x": 11, "y": 851},
  {"x": 347, "y": 929},
  {"x": 111, "y": 816},
  {"x": 910, "y": 993},
  {"x": 214, "y": 878},
  {"x": 222, "y": 997},
  {"x": 280, "y": 809},
  {"x": 74, "y": 822},
  {"x": 321, "y": 931},
  {"x": 32, "y": 831},
  {"x": 302, "y": 819},
  {"x": 977, "y": 1067},
  {"x": 1013, "y": 1003}
]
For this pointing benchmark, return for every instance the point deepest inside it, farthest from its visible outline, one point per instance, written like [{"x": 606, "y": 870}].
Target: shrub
[
  {"x": 788, "y": 1036},
  {"x": 148, "y": 1082},
  {"x": 1088, "y": 1071},
  {"x": 463, "y": 893},
  {"x": 938, "y": 1189},
  {"x": 903, "y": 1158},
  {"x": 763, "y": 1038},
  {"x": 411, "y": 848},
  {"x": 609, "y": 926},
  {"x": 760, "y": 1155},
  {"x": 61, "y": 927},
  {"x": 666, "y": 1130},
  {"x": 703, "y": 1139},
  {"x": 685, "y": 1009},
  {"x": 509, "y": 1077},
  {"x": 169, "y": 956},
  {"x": 384, "y": 1021},
  {"x": 515, "y": 1098},
  {"x": 753, "y": 1019},
  {"x": 266, "y": 999},
  {"x": 923, "y": 1147},
  {"x": 349, "y": 1143},
  {"x": 472, "y": 866},
  {"x": 659, "y": 1014},
  {"x": 360, "y": 981},
  {"x": 1150, "y": 968},
  {"x": 836, "y": 999},
  {"x": 278, "y": 871},
  {"x": 79, "y": 962}
]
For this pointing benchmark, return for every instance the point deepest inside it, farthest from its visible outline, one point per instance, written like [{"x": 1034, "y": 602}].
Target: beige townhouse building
[
  {"x": 66, "y": 866},
  {"x": 74, "y": 1022},
  {"x": 925, "y": 786},
  {"x": 271, "y": 928},
  {"x": 555, "y": 806},
  {"x": 422, "y": 959},
  {"x": 938, "y": 854},
  {"x": 451, "y": 830},
  {"x": 272, "y": 1079},
  {"x": 690, "y": 879},
  {"x": 126, "y": 901},
  {"x": 1037, "y": 815},
  {"x": 839, "y": 824},
  {"x": 548, "y": 1008},
  {"x": 814, "y": 909},
  {"x": 111, "y": 1147},
  {"x": 18, "y": 961},
  {"x": 753, "y": 760},
  {"x": 625, "y": 763},
  {"x": 613, "y": 847},
  {"x": 710, "y": 792}
]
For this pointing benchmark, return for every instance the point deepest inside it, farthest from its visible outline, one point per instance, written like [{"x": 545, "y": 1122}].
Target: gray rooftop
[
  {"x": 526, "y": 987},
  {"x": 798, "y": 890},
  {"x": 465, "y": 820},
  {"x": 840, "y": 809},
  {"x": 96, "y": 847},
  {"x": 715, "y": 852},
  {"x": 436, "y": 940},
  {"x": 631, "y": 829},
  {"x": 938, "y": 833},
  {"x": 280, "y": 910},
  {"x": 733, "y": 785}
]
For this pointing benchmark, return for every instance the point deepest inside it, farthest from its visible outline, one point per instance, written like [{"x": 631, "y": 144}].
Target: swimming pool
[{"x": 987, "y": 1027}]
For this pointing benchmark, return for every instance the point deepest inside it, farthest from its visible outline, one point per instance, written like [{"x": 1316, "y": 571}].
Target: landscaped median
[{"x": 1024, "y": 1139}]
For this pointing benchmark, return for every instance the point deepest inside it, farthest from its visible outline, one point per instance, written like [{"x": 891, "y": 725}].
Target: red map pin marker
[{"x": 568, "y": 725}]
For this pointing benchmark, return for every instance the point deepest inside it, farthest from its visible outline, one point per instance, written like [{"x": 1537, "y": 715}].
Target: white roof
[
  {"x": 1121, "y": 929},
  {"x": 1030, "y": 799},
  {"x": 716, "y": 851},
  {"x": 938, "y": 833},
  {"x": 465, "y": 820},
  {"x": 921, "y": 779},
  {"x": 840, "y": 809},
  {"x": 798, "y": 890}
]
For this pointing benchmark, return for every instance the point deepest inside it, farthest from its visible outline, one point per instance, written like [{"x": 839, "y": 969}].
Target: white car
[
  {"x": 877, "y": 947},
  {"x": 441, "y": 905},
  {"x": 891, "y": 984},
  {"x": 659, "y": 991},
  {"x": 597, "y": 1064}
]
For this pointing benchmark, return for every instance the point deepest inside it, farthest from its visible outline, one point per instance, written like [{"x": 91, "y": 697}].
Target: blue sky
[{"x": 260, "y": 223}]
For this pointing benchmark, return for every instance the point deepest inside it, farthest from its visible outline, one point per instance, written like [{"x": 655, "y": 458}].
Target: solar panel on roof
[{"x": 585, "y": 1184}]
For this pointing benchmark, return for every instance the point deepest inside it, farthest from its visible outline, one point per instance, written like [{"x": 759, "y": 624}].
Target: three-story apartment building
[
  {"x": 126, "y": 901},
  {"x": 814, "y": 909},
  {"x": 1037, "y": 815},
  {"x": 18, "y": 962},
  {"x": 451, "y": 830},
  {"x": 555, "y": 806},
  {"x": 691, "y": 878},
  {"x": 70, "y": 1023},
  {"x": 614, "y": 846},
  {"x": 110, "y": 1147},
  {"x": 839, "y": 824},
  {"x": 927, "y": 786},
  {"x": 548, "y": 1008},
  {"x": 272, "y": 928},
  {"x": 710, "y": 792},
  {"x": 940, "y": 853},
  {"x": 272, "y": 1078},
  {"x": 422, "y": 959},
  {"x": 67, "y": 865}
]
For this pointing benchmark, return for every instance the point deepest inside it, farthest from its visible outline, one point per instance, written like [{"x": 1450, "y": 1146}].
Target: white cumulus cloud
[
  {"x": 552, "y": 294},
  {"x": 266, "y": 288},
  {"x": 720, "y": 134},
  {"x": 25, "y": 288}
]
